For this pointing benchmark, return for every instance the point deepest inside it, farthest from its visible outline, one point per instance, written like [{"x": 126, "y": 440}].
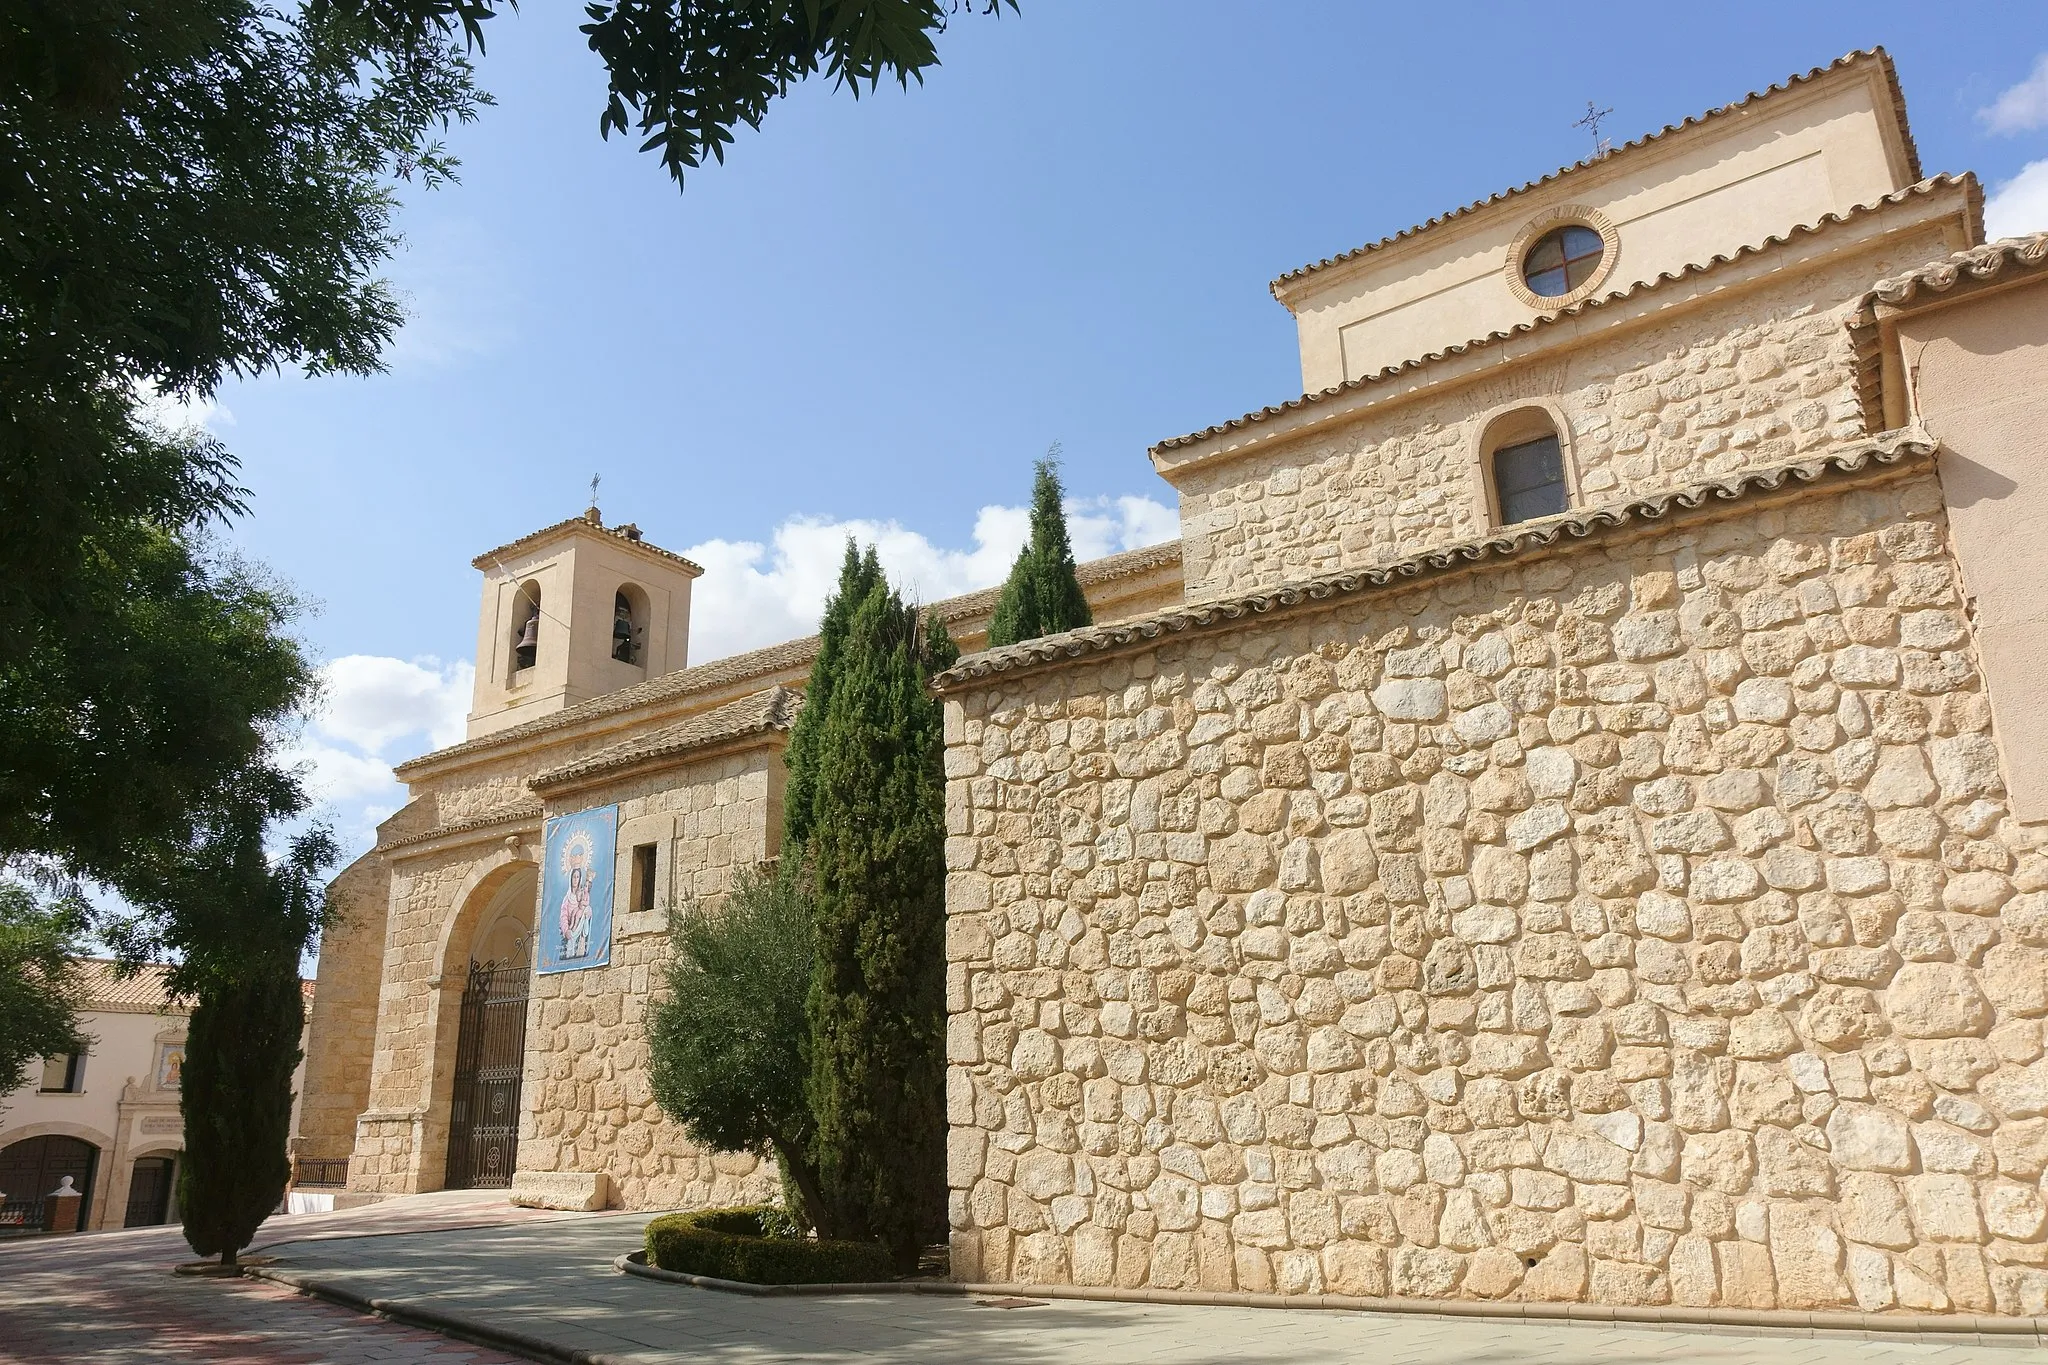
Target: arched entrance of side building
[
  {"x": 31, "y": 1168},
  {"x": 490, "y": 1043}
]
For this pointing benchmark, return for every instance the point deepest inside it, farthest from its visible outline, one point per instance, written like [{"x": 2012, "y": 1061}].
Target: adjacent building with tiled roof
[
  {"x": 1566, "y": 823},
  {"x": 105, "y": 1115}
]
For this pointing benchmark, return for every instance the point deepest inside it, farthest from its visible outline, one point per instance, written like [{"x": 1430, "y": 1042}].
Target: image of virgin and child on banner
[{"x": 576, "y": 890}]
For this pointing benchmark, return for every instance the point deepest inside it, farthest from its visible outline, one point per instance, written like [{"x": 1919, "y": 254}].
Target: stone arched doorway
[
  {"x": 490, "y": 1044},
  {"x": 31, "y": 1168}
]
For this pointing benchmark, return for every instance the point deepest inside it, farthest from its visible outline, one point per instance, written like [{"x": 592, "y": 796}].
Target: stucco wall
[
  {"x": 1980, "y": 384},
  {"x": 1641, "y": 924},
  {"x": 1748, "y": 381}
]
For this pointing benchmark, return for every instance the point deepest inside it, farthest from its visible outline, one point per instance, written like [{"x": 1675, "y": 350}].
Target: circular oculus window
[
  {"x": 1562, "y": 260},
  {"x": 1561, "y": 257}
]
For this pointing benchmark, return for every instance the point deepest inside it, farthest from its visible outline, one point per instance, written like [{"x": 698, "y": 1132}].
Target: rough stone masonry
[{"x": 1629, "y": 925}]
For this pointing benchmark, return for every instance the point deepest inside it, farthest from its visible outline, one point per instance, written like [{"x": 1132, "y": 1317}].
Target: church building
[{"x": 1567, "y": 821}]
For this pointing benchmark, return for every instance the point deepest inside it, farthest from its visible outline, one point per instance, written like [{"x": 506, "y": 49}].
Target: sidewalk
[
  {"x": 109, "y": 1297},
  {"x": 555, "y": 1284},
  {"x": 473, "y": 1262}
]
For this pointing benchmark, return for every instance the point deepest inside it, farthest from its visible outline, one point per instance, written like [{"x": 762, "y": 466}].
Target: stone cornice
[
  {"x": 1863, "y": 462},
  {"x": 491, "y": 824}
]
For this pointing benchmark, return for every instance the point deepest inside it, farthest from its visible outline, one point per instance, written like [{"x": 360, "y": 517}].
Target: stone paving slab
[
  {"x": 556, "y": 1283},
  {"x": 109, "y": 1298}
]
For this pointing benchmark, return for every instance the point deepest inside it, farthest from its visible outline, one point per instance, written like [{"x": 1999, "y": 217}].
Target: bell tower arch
[{"x": 574, "y": 611}]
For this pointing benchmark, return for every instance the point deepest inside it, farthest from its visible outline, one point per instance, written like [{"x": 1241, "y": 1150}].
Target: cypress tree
[
  {"x": 1043, "y": 593},
  {"x": 243, "y": 922},
  {"x": 876, "y": 853},
  {"x": 241, "y": 1048},
  {"x": 858, "y": 575}
]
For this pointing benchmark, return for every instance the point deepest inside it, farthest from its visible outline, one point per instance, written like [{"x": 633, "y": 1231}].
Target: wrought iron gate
[{"x": 490, "y": 1049}]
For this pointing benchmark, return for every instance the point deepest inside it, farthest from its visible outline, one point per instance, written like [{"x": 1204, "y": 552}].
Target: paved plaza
[{"x": 109, "y": 1299}]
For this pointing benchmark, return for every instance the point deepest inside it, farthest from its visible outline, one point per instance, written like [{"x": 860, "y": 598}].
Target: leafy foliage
[
  {"x": 875, "y": 853},
  {"x": 687, "y": 73},
  {"x": 739, "y": 1244},
  {"x": 187, "y": 190},
  {"x": 1043, "y": 593},
  {"x": 39, "y": 1000},
  {"x": 729, "y": 1041}
]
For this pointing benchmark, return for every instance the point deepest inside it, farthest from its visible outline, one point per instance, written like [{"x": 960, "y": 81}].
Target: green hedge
[{"x": 728, "y": 1244}]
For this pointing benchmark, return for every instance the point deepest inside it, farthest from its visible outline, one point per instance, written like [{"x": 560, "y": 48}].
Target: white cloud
[
  {"x": 371, "y": 700},
  {"x": 184, "y": 414},
  {"x": 375, "y": 711},
  {"x": 753, "y": 594},
  {"x": 2020, "y": 205},
  {"x": 2023, "y": 107}
]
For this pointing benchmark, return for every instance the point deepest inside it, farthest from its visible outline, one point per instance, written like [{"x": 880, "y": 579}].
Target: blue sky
[{"x": 878, "y": 313}]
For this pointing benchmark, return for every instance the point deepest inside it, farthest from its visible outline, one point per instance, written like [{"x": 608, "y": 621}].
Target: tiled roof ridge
[
  {"x": 1919, "y": 188},
  {"x": 1841, "y": 63},
  {"x": 1978, "y": 264},
  {"x": 488, "y": 558},
  {"x": 497, "y": 815},
  {"x": 1889, "y": 448},
  {"x": 754, "y": 663},
  {"x": 105, "y": 987},
  {"x": 772, "y": 709}
]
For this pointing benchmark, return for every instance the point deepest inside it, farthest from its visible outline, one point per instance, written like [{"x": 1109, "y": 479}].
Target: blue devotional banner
[{"x": 576, "y": 890}]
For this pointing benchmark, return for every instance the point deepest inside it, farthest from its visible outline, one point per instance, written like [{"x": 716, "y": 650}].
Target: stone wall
[
  {"x": 586, "y": 1099},
  {"x": 1637, "y": 924},
  {"x": 1750, "y": 381},
  {"x": 344, "y": 1013},
  {"x": 401, "y": 1138}
]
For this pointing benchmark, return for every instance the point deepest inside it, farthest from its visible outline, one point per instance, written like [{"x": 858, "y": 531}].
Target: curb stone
[
  {"x": 461, "y": 1328},
  {"x": 1886, "y": 1324}
]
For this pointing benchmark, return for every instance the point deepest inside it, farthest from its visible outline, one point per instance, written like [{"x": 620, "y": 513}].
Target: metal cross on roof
[
  {"x": 596, "y": 479},
  {"x": 1591, "y": 122}
]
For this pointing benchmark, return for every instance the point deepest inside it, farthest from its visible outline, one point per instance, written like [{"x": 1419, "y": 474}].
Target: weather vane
[
  {"x": 595, "y": 480},
  {"x": 1591, "y": 122}
]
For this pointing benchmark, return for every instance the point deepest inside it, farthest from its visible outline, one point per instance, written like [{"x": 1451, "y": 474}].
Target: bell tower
[{"x": 572, "y": 612}]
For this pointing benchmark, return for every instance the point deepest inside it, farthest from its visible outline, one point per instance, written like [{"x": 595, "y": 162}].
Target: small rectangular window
[
  {"x": 1528, "y": 481},
  {"x": 643, "y": 876},
  {"x": 63, "y": 1074}
]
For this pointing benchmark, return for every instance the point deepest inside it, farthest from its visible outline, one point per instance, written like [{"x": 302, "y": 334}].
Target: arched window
[
  {"x": 1528, "y": 480},
  {"x": 1524, "y": 461},
  {"x": 526, "y": 628},
  {"x": 629, "y": 624}
]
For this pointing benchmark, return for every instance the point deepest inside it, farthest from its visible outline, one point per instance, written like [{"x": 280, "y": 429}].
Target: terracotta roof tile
[
  {"x": 774, "y": 709},
  {"x": 489, "y": 558},
  {"x": 1978, "y": 264},
  {"x": 1875, "y": 54},
  {"x": 105, "y": 988},
  {"x": 791, "y": 656},
  {"x": 515, "y": 812},
  {"x": 1931, "y": 185},
  {"x": 1892, "y": 448}
]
